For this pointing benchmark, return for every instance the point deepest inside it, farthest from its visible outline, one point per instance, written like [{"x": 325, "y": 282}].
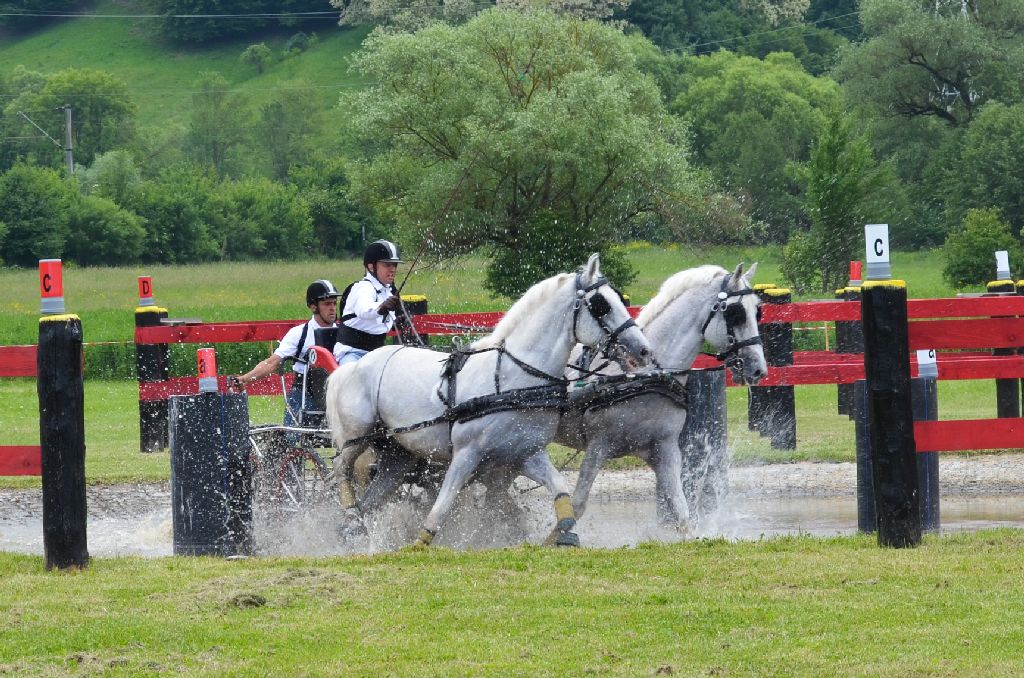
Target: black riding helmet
[
  {"x": 382, "y": 250},
  {"x": 319, "y": 290}
]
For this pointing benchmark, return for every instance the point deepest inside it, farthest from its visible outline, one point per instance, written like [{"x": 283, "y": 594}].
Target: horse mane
[
  {"x": 675, "y": 286},
  {"x": 526, "y": 305}
]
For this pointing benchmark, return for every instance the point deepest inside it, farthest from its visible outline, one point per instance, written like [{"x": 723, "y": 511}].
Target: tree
[
  {"x": 970, "y": 251},
  {"x": 112, "y": 175},
  {"x": 412, "y": 15},
  {"x": 484, "y": 136},
  {"x": 990, "y": 173},
  {"x": 219, "y": 124},
  {"x": 935, "y": 58},
  {"x": 340, "y": 224},
  {"x": 202, "y": 21},
  {"x": 101, "y": 233},
  {"x": 257, "y": 56},
  {"x": 842, "y": 178},
  {"x": 750, "y": 121},
  {"x": 102, "y": 113},
  {"x": 34, "y": 204},
  {"x": 260, "y": 219},
  {"x": 24, "y": 15},
  {"x": 175, "y": 207},
  {"x": 289, "y": 127}
]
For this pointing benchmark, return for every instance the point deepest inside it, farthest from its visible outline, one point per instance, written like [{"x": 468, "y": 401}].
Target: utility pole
[{"x": 68, "y": 153}]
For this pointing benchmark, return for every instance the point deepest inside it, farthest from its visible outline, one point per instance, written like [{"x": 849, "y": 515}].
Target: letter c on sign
[
  {"x": 878, "y": 247},
  {"x": 46, "y": 282}
]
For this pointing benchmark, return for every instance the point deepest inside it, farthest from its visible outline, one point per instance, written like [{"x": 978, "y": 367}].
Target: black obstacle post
[
  {"x": 704, "y": 441},
  {"x": 890, "y": 413},
  {"x": 1007, "y": 390},
  {"x": 757, "y": 397},
  {"x": 777, "y": 404},
  {"x": 849, "y": 338},
  {"x": 211, "y": 473},
  {"x": 925, "y": 399},
  {"x": 152, "y": 363},
  {"x": 866, "y": 521},
  {"x": 61, "y": 425}
]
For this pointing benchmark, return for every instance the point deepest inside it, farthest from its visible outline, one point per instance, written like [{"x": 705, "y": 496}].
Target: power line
[
  {"x": 800, "y": 26},
  {"x": 253, "y": 15}
]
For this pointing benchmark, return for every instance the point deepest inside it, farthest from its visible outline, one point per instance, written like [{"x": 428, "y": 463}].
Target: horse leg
[
  {"x": 393, "y": 464},
  {"x": 464, "y": 463},
  {"x": 344, "y": 468},
  {"x": 593, "y": 459},
  {"x": 666, "y": 461},
  {"x": 538, "y": 467}
]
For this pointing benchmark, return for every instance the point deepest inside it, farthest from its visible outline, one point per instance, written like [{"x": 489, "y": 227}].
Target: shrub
[
  {"x": 34, "y": 204},
  {"x": 970, "y": 251},
  {"x": 101, "y": 233}
]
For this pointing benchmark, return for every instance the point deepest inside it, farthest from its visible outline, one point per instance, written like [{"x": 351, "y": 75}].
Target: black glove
[{"x": 392, "y": 303}]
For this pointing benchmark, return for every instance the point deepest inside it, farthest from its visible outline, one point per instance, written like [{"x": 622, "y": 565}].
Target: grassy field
[
  {"x": 105, "y": 298},
  {"x": 161, "y": 77},
  {"x": 796, "y": 606}
]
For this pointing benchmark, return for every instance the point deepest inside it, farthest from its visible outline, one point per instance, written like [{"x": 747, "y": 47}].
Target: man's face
[
  {"x": 386, "y": 272},
  {"x": 326, "y": 310}
]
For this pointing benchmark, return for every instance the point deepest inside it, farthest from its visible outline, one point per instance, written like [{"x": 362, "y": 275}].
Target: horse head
[
  {"x": 602, "y": 320},
  {"x": 732, "y": 327}
]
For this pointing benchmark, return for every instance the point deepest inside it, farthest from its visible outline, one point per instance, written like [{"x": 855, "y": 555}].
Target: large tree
[
  {"x": 935, "y": 58},
  {"x": 220, "y": 124},
  {"x": 751, "y": 120},
  {"x": 531, "y": 135},
  {"x": 102, "y": 113},
  {"x": 846, "y": 188},
  {"x": 990, "y": 170}
]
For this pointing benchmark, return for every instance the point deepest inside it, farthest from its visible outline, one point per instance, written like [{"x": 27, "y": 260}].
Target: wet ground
[{"x": 762, "y": 501}]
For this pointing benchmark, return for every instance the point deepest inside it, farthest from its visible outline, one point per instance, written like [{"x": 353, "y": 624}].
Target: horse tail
[{"x": 335, "y": 384}]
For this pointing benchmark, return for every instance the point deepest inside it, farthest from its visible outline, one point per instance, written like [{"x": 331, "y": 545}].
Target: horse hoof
[
  {"x": 352, "y": 528},
  {"x": 568, "y": 539},
  {"x": 565, "y": 524}
]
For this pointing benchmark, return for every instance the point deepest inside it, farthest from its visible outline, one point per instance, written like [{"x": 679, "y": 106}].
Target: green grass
[
  {"x": 161, "y": 77},
  {"x": 795, "y": 606}
]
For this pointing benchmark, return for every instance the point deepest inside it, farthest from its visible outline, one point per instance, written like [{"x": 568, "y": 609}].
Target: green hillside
[{"x": 160, "y": 76}]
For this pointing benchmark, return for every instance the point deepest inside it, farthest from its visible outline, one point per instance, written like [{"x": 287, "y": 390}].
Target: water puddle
[{"x": 608, "y": 523}]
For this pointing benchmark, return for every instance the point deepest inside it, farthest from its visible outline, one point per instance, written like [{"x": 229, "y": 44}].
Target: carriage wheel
[
  {"x": 301, "y": 481},
  {"x": 267, "y": 447}
]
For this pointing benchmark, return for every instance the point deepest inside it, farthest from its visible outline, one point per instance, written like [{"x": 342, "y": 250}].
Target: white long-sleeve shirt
[{"x": 360, "y": 312}]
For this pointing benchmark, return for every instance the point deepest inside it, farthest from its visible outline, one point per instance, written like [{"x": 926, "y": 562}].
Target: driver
[
  {"x": 369, "y": 304},
  {"x": 322, "y": 300}
]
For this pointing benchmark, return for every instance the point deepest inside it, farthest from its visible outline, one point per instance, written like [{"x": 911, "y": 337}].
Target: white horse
[
  {"x": 501, "y": 411},
  {"x": 706, "y": 303}
]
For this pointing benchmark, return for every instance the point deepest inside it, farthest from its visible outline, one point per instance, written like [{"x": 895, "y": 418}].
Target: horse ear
[
  {"x": 737, "y": 275},
  {"x": 751, "y": 271},
  {"x": 593, "y": 267}
]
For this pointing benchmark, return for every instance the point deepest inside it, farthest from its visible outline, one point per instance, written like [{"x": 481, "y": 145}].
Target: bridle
[
  {"x": 599, "y": 308},
  {"x": 734, "y": 316}
]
